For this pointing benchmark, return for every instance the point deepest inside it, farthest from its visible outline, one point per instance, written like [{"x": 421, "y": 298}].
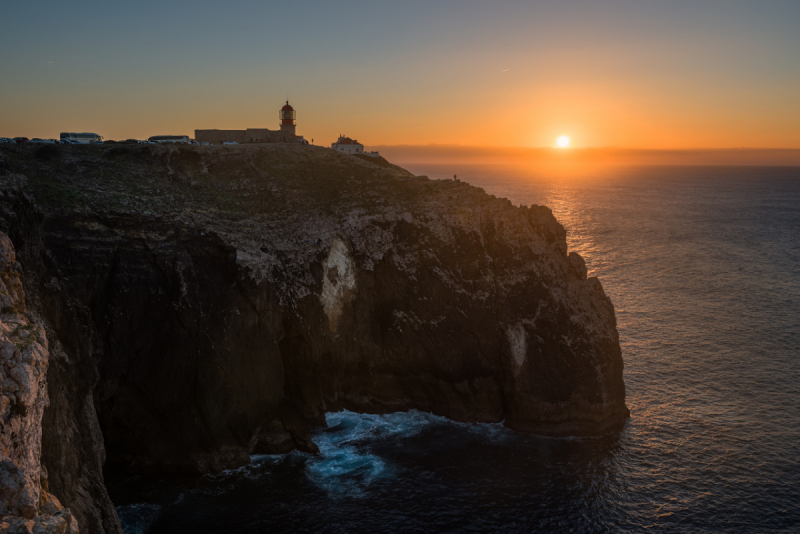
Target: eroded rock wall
[
  {"x": 476, "y": 313},
  {"x": 71, "y": 442},
  {"x": 25, "y": 503},
  {"x": 472, "y": 310},
  {"x": 191, "y": 369}
]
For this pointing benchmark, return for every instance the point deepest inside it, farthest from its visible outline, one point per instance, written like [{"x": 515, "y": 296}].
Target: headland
[{"x": 205, "y": 303}]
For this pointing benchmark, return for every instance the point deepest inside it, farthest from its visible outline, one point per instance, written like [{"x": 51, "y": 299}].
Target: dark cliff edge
[
  {"x": 209, "y": 303},
  {"x": 69, "y": 440}
]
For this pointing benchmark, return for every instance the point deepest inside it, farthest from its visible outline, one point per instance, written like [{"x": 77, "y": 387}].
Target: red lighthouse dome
[{"x": 287, "y": 115}]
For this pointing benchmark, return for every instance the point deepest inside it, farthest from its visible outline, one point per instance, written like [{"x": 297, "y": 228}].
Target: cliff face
[
  {"x": 66, "y": 437},
  {"x": 239, "y": 293},
  {"x": 25, "y": 503}
]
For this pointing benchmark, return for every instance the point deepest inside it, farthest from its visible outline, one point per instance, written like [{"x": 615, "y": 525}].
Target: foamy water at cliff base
[{"x": 703, "y": 267}]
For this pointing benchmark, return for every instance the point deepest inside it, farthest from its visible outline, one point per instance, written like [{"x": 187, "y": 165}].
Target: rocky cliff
[
  {"x": 25, "y": 503},
  {"x": 219, "y": 300},
  {"x": 72, "y": 450}
]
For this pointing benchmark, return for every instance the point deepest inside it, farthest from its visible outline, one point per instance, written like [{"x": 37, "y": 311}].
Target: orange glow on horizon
[{"x": 669, "y": 75}]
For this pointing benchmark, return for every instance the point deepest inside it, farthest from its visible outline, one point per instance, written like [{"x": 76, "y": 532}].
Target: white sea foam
[
  {"x": 347, "y": 464},
  {"x": 253, "y": 470}
]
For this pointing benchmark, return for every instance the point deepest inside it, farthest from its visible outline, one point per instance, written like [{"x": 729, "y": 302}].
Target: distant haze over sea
[{"x": 587, "y": 156}]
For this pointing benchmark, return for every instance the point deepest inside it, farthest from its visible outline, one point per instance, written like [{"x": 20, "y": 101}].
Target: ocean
[{"x": 703, "y": 267}]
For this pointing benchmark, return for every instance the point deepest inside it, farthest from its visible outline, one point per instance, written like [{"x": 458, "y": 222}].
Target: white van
[{"x": 81, "y": 138}]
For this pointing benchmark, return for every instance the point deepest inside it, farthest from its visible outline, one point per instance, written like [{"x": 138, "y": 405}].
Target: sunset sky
[{"x": 632, "y": 74}]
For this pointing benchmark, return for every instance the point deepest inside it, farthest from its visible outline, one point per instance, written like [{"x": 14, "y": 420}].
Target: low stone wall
[{"x": 250, "y": 135}]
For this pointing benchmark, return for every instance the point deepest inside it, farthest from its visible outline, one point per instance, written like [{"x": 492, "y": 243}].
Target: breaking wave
[{"x": 348, "y": 463}]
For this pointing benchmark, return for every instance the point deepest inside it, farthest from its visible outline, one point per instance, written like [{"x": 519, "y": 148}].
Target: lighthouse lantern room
[{"x": 287, "y": 117}]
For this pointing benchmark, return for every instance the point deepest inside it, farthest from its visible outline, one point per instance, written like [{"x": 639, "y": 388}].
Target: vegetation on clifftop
[{"x": 250, "y": 180}]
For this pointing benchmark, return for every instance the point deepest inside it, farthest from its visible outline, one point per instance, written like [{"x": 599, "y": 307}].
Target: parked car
[
  {"x": 230, "y": 143},
  {"x": 6, "y": 140},
  {"x": 20, "y": 140},
  {"x": 205, "y": 143},
  {"x": 179, "y": 139}
]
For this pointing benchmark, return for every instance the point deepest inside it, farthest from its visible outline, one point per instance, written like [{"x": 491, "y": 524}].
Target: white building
[{"x": 348, "y": 146}]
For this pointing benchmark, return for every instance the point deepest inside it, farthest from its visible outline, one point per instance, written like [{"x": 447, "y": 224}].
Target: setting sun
[{"x": 562, "y": 141}]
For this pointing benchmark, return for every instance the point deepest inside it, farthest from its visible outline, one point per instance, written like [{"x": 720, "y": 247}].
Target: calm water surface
[{"x": 703, "y": 267}]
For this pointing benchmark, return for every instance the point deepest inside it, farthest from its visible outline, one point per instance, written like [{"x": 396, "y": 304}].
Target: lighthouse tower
[{"x": 287, "y": 116}]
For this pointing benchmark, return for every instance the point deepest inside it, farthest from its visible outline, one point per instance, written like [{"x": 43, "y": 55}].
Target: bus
[
  {"x": 182, "y": 139},
  {"x": 82, "y": 138}
]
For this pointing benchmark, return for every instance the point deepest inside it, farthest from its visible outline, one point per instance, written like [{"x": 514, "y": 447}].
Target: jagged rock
[
  {"x": 71, "y": 440},
  {"x": 7, "y": 254},
  {"x": 24, "y": 504},
  {"x": 288, "y": 431},
  {"x": 60, "y": 522}
]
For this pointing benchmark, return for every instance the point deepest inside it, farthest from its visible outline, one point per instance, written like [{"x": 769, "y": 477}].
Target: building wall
[
  {"x": 217, "y": 137},
  {"x": 258, "y": 134},
  {"x": 279, "y": 136},
  {"x": 288, "y": 128},
  {"x": 348, "y": 149}
]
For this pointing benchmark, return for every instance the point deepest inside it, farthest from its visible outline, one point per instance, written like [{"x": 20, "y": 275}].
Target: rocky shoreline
[{"x": 208, "y": 303}]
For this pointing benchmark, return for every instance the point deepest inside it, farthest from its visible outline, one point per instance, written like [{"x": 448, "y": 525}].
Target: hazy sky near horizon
[{"x": 637, "y": 74}]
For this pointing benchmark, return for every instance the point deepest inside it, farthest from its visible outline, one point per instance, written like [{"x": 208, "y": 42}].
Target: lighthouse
[
  {"x": 287, "y": 116},
  {"x": 256, "y": 135}
]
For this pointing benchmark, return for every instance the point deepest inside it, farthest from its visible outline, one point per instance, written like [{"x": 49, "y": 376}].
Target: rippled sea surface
[{"x": 703, "y": 267}]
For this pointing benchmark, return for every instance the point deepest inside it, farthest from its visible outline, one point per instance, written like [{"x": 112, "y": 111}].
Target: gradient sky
[{"x": 636, "y": 74}]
